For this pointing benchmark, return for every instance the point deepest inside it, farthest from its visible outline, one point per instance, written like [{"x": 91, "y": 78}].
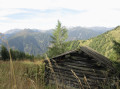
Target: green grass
[{"x": 28, "y": 75}]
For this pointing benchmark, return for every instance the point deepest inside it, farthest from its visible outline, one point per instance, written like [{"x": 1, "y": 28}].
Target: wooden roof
[{"x": 97, "y": 56}]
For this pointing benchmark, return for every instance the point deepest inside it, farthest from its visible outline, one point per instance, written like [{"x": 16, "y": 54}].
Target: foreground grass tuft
[{"x": 28, "y": 75}]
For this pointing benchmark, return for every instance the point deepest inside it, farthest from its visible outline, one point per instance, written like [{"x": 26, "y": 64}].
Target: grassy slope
[
  {"x": 103, "y": 43},
  {"x": 28, "y": 75}
]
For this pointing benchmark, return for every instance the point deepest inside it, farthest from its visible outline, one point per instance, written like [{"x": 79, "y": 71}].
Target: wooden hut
[{"x": 83, "y": 68}]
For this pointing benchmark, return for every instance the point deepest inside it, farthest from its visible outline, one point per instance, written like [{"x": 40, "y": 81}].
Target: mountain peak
[{"x": 13, "y": 31}]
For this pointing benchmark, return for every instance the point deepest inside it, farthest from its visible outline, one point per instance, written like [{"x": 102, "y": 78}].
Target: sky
[{"x": 44, "y": 14}]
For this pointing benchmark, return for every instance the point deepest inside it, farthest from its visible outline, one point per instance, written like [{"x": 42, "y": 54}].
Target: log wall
[{"x": 78, "y": 70}]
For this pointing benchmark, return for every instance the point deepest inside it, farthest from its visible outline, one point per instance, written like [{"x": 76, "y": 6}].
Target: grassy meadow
[{"x": 27, "y": 75}]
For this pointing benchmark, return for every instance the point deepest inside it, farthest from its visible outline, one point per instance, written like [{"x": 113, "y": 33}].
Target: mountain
[
  {"x": 30, "y": 41},
  {"x": 34, "y": 41},
  {"x": 84, "y": 33},
  {"x": 74, "y": 33},
  {"x": 104, "y": 43},
  {"x": 13, "y": 31},
  {"x": 100, "y": 29}
]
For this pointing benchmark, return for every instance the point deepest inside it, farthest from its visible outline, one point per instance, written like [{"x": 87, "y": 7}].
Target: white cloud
[{"x": 97, "y": 13}]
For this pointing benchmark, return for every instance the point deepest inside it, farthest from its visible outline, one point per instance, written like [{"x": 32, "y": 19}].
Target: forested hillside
[
  {"x": 104, "y": 43},
  {"x": 29, "y": 41}
]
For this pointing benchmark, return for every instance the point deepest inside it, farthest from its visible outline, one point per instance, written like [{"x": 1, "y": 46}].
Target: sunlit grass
[{"x": 28, "y": 75}]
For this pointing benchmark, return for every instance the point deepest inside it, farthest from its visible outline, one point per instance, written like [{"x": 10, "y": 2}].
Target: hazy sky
[{"x": 43, "y": 14}]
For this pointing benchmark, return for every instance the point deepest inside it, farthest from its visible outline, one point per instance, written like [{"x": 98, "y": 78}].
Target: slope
[
  {"x": 84, "y": 33},
  {"x": 29, "y": 41},
  {"x": 104, "y": 43}
]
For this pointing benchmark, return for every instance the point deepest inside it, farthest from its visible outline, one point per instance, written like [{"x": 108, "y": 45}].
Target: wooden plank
[
  {"x": 66, "y": 80},
  {"x": 93, "y": 67},
  {"x": 81, "y": 62},
  {"x": 79, "y": 73},
  {"x": 74, "y": 63},
  {"x": 76, "y": 58},
  {"x": 81, "y": 76},
  {"x": 79, "y": 69},
  {"x": 98, "y": 57},
  {"x": 76, "y": 86}
]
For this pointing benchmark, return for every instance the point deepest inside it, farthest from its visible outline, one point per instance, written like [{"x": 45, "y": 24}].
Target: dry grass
[
  {"x": 77, "y": 79},
  {"x": 28, "y": 75}
]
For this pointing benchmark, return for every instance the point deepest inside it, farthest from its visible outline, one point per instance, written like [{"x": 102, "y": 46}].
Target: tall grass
[
  {"x": 12, "y": 78},
  {"x": 28, "y": 75}
]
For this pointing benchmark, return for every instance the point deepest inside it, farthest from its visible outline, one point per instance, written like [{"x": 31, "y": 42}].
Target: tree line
[{"x": 15, "y": 54}]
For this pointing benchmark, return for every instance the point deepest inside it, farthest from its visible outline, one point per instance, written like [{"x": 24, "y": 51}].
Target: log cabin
[{"x": 83, "y": 68}]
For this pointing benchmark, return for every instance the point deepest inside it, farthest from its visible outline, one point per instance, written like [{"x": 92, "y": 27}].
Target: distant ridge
[
  {"x": 13, "y": 31},
  {"x": 35, "y": 41}
]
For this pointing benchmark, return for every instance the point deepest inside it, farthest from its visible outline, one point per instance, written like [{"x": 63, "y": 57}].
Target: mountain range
[{"x": 34, "y": 41}]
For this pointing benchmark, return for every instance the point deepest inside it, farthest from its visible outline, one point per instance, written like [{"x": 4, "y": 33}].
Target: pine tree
[
  {"x": 116, "y": 47},
  {"x": 4, "y": 53},
  {"x": 58, "y": 41}
]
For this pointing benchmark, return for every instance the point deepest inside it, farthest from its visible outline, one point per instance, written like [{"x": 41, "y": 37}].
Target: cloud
[
  {"x": 116, "y": 9},
  {"x": 43, "y": 14},
  {"x": 5, "y": 12},
  {"x": 33, "y": 13}
]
